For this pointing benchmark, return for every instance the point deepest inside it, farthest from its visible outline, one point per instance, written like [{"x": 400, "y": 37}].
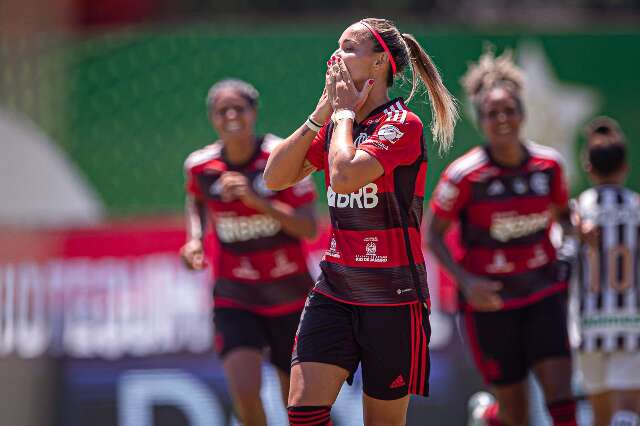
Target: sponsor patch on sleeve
[
  {"x": 446, "y": 194},
  {"x": 389, "y": 133}
]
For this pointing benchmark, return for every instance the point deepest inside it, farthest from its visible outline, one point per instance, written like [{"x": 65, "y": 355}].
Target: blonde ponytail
[{"x": 444, "y": 108}]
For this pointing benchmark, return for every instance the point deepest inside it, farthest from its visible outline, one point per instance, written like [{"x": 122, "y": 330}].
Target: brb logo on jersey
[
  {"x": 365, "y": 198},
  {"x": 505, "y": 227},
  {"x": 231, "y": 228}
]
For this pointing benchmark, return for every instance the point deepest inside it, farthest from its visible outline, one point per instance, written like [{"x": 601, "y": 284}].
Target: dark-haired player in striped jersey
[
  {"x": 370, "y": 304},
  {"x": 261, "y": 277},
  {"x": 506, "y": 194},
  {"x": 608, "y": 283}
]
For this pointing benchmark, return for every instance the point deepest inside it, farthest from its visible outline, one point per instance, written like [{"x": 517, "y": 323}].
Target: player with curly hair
[{"x": 505, "y": 195}]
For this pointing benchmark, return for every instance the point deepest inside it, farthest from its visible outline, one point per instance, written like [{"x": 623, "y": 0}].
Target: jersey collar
[
  {"x": 256, "y": 152},
  {"x": 379, "y": 109},
  {"x": 492, "y": 160}
]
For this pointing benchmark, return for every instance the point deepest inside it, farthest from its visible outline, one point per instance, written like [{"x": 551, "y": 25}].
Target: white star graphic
[{"x": 555, "y": 110}]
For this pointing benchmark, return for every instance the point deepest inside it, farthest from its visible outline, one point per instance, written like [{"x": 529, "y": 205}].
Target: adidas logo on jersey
[
  {"x": 397, "y": 383},
  {"x": 519, "y": 186},
  {"x": 496, "y": 188}
]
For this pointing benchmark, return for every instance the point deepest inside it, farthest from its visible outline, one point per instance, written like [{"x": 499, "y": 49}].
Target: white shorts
[{"x": 600, "y": 372}]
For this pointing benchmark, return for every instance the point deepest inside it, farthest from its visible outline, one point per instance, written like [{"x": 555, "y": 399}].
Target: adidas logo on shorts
[{"x": 398, "y": 382}]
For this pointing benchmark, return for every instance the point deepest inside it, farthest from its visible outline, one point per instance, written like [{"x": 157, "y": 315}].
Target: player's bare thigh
[
  {"x": 315, "y": 384},
  {"x": 379, "y": 412}
]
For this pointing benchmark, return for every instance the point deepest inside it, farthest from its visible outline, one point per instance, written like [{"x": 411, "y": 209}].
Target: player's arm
[
  {"x": 447, "y": 201},
  {"x": 287, "y": 163},
  {"x": 479, "y": 292},
  {"x": 562, "y": 214},
  {"x": 586, "y": 230},
  {"x": 350, "y": 169},
  {"x": 436, "y": 230},
  {"x": 298, "y": 222},
  {"x": 192, "y": 252}
]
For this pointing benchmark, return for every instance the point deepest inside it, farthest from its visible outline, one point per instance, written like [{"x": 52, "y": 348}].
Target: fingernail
[{"x": 371, "y": 82}]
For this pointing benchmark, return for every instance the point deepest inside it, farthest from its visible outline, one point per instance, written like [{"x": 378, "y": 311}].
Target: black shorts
[
  {"x": 391, "y": 343},
  {"x": 237, "y": 328},
  {"x": 507, "y": 343}
]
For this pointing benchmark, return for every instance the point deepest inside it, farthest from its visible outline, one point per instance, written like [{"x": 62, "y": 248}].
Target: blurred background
[{"x": 102, "y": 100}]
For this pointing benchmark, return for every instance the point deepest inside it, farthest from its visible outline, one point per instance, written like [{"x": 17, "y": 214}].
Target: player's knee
[
  {"x": 625, "y": 418},
  {"x": 246, "y": 397},
  {"x": 385, "y": 422},
  {"x": 305, "y": 415},
  {"x": 514, "y": 420},
  {"x": 513, "y": 416}
]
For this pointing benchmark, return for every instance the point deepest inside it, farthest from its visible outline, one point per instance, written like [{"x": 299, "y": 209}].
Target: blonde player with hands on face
[{"x": 369, "y": 306}]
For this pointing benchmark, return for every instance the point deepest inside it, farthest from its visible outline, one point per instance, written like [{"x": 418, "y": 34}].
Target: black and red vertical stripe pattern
[{"x": 420, "y": 363}]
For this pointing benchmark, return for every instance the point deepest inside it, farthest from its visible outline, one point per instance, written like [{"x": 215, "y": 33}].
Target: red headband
[{"x": 383, "y": 44}]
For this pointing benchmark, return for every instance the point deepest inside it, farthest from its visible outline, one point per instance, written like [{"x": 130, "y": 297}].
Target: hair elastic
[{"x": 383, "y": 44}]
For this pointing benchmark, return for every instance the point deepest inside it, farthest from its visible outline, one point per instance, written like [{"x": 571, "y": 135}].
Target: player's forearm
[
  {"x": 438, "y": 247},
  {"x": 563, "y": 217},
  {"x": 341, "y": 154},
  {"x": 297, "y": 223},
  {"x": 285, "y": 163},
  {"x": 568, "y": 249},
  {"x": 195, "y": 215}
]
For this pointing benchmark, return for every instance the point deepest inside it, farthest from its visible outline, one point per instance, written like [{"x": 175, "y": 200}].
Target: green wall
[{"x": 136, "y": 98}]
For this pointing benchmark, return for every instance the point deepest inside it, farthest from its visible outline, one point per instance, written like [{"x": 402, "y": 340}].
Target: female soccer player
[
  {"x": 505, "y": 195},
  {"x": 608, "y": 216},
  {"x": 261, "y": 275},
  {"x": 370, "y": 304}
]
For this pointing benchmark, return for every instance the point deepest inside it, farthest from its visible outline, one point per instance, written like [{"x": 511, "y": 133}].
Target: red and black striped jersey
[
  {"x": 374, "y": 255},
  {"x": 260, "y": 267},
  {"x": 505, "y": 216}
]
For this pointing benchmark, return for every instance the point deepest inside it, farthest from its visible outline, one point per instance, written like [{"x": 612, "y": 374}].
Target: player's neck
[
  {"x": 508, "y": 154},
  {"x": 378, "y": 96},
  {"x": 617, "y": 181},
  {"x": 238, "y": 151}
]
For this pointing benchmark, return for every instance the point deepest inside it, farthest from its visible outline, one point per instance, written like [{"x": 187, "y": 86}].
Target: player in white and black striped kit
[{"x": 608, "y": 284}]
